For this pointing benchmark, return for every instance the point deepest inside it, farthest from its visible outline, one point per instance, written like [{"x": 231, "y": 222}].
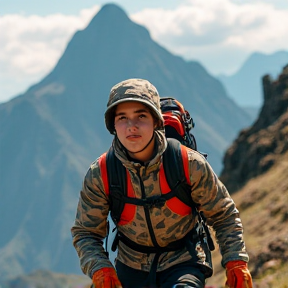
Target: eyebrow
[{"x": 136, "y": 112}]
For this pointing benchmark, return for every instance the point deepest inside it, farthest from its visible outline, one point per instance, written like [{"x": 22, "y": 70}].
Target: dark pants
[{"x": 183, "y": 275}]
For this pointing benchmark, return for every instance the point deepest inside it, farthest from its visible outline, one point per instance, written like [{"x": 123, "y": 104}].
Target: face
[{"x": 134, "y": 125}]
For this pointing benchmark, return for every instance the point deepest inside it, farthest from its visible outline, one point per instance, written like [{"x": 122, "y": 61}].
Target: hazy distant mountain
[
  {"x": 245, "y": 86},
  {"x": 50, "y": 134}
]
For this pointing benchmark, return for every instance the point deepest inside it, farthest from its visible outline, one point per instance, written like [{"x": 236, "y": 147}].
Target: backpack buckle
[{"x": 154, "y": 201}]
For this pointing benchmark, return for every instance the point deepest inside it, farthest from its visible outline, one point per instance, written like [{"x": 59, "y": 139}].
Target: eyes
[{"x": 125, "y": 117}]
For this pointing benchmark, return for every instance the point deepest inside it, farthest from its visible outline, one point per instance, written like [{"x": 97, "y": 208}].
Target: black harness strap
[
  {"x": 173, "y": 246},
  {"x": 175, "y": 174},
  {"x": 116, "y": 174}
]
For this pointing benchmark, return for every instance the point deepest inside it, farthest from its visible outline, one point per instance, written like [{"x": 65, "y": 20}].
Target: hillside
[
  {"x": 262, "y": 203},
  {"x": 255, "y": 170}
]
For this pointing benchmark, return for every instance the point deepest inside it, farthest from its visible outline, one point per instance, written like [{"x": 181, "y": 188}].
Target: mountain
[
  {"x": 255, "y": 171},
  {"x": 51, "y": 133},
  {"x": 245, "y": 87}
]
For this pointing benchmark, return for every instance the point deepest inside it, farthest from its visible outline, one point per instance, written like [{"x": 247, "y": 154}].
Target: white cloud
[
  {"x": 205, "y": 29},
  {"x": 31, "y": 45}
]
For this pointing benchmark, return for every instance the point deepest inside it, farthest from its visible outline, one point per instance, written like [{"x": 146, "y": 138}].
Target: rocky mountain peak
[
  {"x": 258, "y": 147},
  {"x": 275, "y": 100},
  {"x": 109, "y": 14}
]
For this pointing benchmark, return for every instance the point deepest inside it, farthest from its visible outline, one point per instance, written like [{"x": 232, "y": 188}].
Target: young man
[{"x": 133, "y": 115}]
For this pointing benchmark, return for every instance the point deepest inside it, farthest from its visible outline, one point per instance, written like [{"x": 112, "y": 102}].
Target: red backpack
[{"x": 177, "y": 122}]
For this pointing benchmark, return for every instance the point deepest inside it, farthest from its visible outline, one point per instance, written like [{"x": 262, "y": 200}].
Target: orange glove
[
  {"x": 106, "y": 278},
  {"x": 238, "y": 275}
]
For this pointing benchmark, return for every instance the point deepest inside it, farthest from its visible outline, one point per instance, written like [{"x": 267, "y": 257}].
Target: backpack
[
  {"x": 178, "y": 123},
  {"x": 115, "y": 182}
]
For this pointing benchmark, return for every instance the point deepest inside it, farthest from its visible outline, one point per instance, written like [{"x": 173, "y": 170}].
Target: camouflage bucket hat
[{"x": 139, "y": 90}]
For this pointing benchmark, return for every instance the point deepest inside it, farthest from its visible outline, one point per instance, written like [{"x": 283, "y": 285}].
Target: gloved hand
[
  {"x": 238, "y": 275},
  {"x": 106, "y": 278}
]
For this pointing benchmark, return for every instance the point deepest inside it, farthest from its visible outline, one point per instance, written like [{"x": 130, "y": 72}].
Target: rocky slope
[
  {"x": 255, "y": 170},
  {"x": 259, "y": 147}
]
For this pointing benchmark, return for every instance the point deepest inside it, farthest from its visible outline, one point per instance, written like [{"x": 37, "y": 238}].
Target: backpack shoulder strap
[
  {"x": 176, "y": 153},
  {"x": 114, "y": 177},
  {"x": 116, "y": 172}
]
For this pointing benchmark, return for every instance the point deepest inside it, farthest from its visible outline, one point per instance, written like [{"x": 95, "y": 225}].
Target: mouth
[{"x": 133, "y": 137}]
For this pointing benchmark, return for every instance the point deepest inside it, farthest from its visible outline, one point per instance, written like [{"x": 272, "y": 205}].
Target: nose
[{"x": 132, "y": 124}]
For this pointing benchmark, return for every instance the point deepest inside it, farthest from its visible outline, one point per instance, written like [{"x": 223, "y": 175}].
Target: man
[{"x": 133, "y": 115}]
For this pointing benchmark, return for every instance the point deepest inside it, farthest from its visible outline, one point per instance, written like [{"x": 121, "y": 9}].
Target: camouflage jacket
[{"x": 214, "y": 201}]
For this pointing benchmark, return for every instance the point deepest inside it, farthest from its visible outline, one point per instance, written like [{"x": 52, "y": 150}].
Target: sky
[{"x": 220, "y": 34}]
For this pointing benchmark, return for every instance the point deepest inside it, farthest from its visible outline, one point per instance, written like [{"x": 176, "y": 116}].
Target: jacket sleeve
[
  {"x": 90, "y": 227},
  {"x": 218, "y": 208}
]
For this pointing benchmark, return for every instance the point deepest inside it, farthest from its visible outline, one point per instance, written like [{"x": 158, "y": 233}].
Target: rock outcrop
[{"x": 258, "y": 147}]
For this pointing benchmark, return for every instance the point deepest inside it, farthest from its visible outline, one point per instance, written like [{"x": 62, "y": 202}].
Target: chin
[{"x": 134, "y": 149}]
